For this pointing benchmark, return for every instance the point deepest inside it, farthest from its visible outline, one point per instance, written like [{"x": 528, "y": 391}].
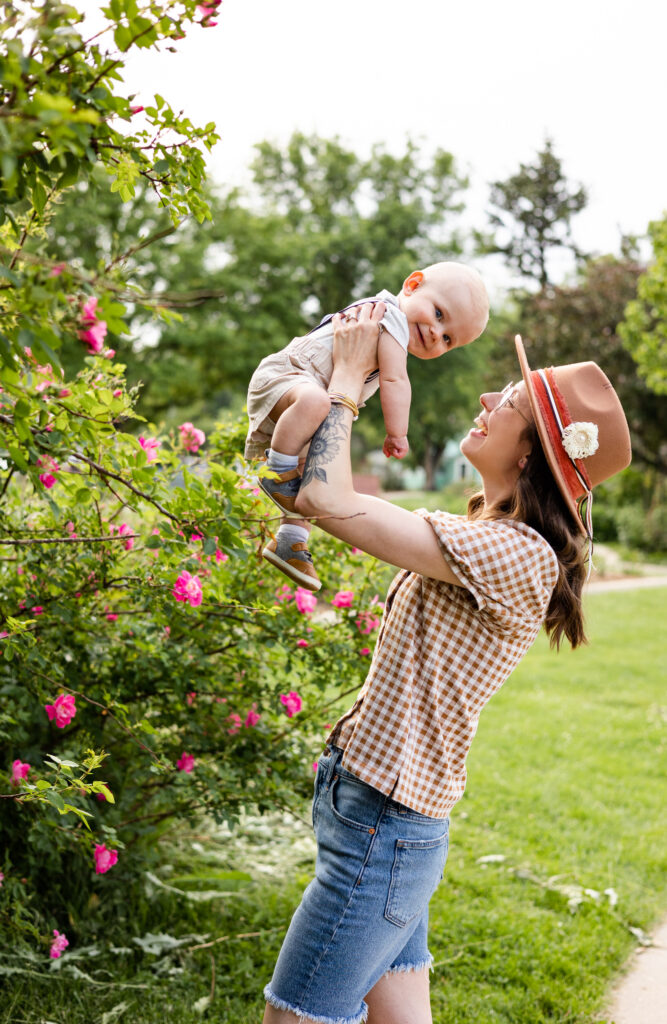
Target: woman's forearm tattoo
[{"x": 325, "y": 445}]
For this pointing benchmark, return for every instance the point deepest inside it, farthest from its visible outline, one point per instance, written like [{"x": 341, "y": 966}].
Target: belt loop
[{"x": 336, "y": 757}]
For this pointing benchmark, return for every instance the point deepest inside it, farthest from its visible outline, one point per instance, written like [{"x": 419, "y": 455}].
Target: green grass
[{"x": 566, "y": 783}]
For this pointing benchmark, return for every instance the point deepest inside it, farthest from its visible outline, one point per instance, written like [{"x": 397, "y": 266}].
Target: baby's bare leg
[{"x": 297, "y": 416}]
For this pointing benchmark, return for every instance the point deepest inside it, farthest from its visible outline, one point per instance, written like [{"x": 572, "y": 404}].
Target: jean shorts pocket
[
  {"x": 354, "y": 803},
  {"x": 417, "y": 869}
]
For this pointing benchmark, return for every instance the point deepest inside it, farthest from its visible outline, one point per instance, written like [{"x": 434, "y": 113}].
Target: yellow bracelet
[{"x": 349, "y": 403}]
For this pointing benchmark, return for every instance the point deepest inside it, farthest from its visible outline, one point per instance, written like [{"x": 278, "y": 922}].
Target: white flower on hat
[{"x": 580, "y": 439}]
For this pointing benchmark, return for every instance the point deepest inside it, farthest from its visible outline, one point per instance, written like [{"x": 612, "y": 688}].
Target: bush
[{"x": 151, "y": 667}]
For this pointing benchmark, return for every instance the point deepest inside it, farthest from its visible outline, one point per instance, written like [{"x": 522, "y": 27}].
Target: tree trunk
[{"x": 432, "y": 458}]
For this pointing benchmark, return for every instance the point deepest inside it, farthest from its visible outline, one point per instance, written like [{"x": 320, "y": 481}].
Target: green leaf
[
  {"x": 55, "y": 799},
  {"x": 122, "y": 36},
  {"x": 22, "y": 408},
  {"x": 101, "y": 787},
  {"x": 9, "y": 275},
  {"x": 18, "y": 459},
  {"x": 39, "y": 198},
  {"x": 43, "y": 784}
]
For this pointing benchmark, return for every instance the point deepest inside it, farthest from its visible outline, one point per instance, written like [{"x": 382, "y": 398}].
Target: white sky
[{"x": 486, "y": 80}]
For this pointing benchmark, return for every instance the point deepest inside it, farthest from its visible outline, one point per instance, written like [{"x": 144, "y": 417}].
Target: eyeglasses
[{"x": 506, "y": 399}]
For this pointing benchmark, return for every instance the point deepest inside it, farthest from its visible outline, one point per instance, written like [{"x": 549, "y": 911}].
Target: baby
[{"x": 438, "y": 309}]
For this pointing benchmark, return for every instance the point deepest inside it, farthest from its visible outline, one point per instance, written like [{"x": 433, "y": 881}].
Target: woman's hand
[{"x": 356, "y": 335}]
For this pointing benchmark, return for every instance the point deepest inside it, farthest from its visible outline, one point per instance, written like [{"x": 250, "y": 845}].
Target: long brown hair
[{"x": 537, "y": 502}]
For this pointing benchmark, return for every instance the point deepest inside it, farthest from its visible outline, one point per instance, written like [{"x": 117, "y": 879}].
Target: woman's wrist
[{"x": 348, "y": 382}]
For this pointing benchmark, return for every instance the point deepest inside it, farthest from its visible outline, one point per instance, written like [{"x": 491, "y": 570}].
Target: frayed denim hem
[
  {"x": 280, "y": 1004},
  {"x": 409, "y": 968}
]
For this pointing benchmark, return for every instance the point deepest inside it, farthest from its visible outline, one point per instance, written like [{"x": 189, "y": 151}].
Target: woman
[{"x": 468, "y": 602}]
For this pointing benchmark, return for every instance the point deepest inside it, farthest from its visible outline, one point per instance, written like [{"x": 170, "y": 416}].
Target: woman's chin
[{"x": 471, "y": 444}]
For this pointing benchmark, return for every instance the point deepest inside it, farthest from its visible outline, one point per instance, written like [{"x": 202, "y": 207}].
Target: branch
[
  {"x": 135, "y": 490},
  {"x": 142, "y": 245},
  {"x": 68, "y": 540}
]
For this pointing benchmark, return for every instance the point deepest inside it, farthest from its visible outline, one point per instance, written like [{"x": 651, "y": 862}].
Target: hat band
[{"x": 555, "y": 420}]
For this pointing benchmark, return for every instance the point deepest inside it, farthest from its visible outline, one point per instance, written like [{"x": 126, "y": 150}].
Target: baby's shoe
[
  {"x": 282, "y": 489},
  {"x": 295, "y": 560}
]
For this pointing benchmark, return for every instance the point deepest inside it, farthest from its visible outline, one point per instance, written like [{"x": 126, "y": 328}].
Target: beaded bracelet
[{"x": 349, "y": 403}]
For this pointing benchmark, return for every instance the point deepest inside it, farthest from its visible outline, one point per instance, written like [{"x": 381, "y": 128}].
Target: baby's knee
[{"x": 315, "y": 400}]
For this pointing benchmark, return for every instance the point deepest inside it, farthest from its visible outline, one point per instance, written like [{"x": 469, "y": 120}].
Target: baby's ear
[{"x": 413, "y": 282}]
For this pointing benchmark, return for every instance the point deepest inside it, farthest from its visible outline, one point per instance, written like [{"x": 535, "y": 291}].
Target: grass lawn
[{"x": 565, "y": 796}]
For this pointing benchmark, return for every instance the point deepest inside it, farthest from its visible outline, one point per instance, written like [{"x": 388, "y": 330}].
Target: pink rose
[
  {"x": 314, "y": 765},
  {"x": 150, "y": 445},
  {"x": 62, "y": 710},
  {"x": 191, "y": 438},
  {"x": 59, "y": 945},
  {"x": 292, "y": 702},
  {"x": 57, "y": 270},
  {"x": 126, "y": 531},
  {"x": 2, "y": 878},
  {"x": 305, "y": 600},
  {"x": 364, "y": 652},
  {"x": 20, "y": 771},
  {"x": 89, "y": 311},
  {"x": 366, "y": 622},
  {"x": 235, "y": 721},
  {"x": 135, "y": 110},
  {"x": 285, "y": 593},
  {"x": 94, "y": 336},
  {"x": 185, "y": 763},
  {"x": 48, "y": 478},
  {"x": 343, "y": 599},
  {"x": 188, "y": 588},
  {"x": 104, "y": 859},
  {"x": 191, "y": 697},
  {"x": 252, "y": 718},
  {"x": 302, "y": 643}
]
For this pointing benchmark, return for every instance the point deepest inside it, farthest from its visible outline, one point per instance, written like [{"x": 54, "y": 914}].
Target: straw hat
[{"x": 582, "y": 428}]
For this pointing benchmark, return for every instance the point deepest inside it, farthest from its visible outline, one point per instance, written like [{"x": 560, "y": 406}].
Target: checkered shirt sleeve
[{"x": 443, "y": 651}]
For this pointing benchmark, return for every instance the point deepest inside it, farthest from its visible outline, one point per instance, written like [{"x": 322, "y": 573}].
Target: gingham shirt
[{"x": 442, "y": 652}]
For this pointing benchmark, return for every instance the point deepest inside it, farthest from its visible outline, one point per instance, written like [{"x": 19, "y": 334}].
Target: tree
[
  {"x": 532, "y": 214},
  {"x": 644, "y": 329}
]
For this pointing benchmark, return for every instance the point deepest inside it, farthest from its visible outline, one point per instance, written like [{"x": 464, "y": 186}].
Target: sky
[{"x": 487, "y": 81}]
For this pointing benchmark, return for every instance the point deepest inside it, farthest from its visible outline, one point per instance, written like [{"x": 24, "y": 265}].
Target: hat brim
[{"x": 540, "y": 423}]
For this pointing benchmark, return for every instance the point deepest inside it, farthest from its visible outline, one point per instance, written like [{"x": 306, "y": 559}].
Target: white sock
[
  {"x": 280, "y": 463},
  {"x": 293, "y": 534}
]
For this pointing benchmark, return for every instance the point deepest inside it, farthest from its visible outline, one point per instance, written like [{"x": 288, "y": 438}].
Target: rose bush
[{"x": 144, "y": 645}]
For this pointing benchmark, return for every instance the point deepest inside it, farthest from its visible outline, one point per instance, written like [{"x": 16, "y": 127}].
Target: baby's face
[{"x": 441, "y": 313}]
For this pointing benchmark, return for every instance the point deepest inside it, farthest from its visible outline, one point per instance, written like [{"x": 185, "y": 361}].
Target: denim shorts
[{"x": 365, "y": 913}]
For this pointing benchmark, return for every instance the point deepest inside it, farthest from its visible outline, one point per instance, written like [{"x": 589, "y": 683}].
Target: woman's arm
[{"x": 376, "y": 526}]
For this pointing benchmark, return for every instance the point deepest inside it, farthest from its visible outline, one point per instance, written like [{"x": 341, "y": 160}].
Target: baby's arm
[{"x": 395, "y": 394}]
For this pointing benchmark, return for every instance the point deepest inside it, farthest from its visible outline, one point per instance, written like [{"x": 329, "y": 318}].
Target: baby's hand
[{"x": 395, "y": 447}]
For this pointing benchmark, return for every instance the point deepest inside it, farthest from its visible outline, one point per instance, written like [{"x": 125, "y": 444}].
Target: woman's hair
[{"x": 537, "y": 502}]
